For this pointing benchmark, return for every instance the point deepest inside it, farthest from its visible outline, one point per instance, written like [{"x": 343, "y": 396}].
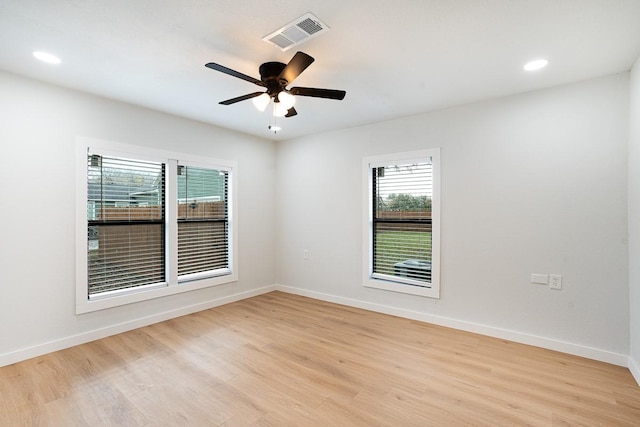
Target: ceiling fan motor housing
[{"x": 269, "y": 73}]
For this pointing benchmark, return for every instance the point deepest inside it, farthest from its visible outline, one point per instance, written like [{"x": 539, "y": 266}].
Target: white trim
[
  {"x": 370, "y": 162},
  {"x": 81, "y": 219},
  {"x": 519, "y": 337},
  {"x": 85, "y": 337},
  {"x": 635, "y": 369},
  {"x": 171, "y": 217},
  {"x": 147, "y": 153},
  {"x": 118, "y": 293},
  {"x": 204, "y": 275},
  {"x": 404, "y": 288}
]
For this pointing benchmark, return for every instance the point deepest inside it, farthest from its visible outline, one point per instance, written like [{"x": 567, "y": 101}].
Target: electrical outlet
[
  {"x": 305, "y": 254},
  {"x": 555, "y": 281}
]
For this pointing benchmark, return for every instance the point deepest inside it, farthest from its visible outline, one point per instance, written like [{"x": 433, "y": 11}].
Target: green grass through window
[{"x": 398, "y": 246}]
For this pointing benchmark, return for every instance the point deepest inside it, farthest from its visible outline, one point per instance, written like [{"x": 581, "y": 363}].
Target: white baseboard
[
  {"x": 578, "y": 350},
  {"x": 60, "y": 344},
  {"x": 635, "y": 369},
  {"x": 519, "y": 337}
]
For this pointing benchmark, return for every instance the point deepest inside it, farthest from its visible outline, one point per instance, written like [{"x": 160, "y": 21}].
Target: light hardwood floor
[{"x": 285, "y": 360}]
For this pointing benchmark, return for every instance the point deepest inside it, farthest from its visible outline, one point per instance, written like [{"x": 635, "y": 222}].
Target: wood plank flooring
[{"x": 284, "y": 360}]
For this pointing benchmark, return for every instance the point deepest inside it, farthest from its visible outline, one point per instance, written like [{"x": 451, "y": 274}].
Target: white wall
[
  {"x": 634, "y": 220},
  {"x": 531, "y": 183},
  {"x": 534, "y": 183},
  {"x": 38, "y": 133}
]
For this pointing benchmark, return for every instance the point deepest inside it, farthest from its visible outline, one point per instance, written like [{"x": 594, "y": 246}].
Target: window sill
[
  {"x": 403, "y": 288},
  {"x": 145, "y": 294}
]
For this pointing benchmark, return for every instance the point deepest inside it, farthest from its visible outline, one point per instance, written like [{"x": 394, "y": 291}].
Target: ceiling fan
[{"x": 275, "y": 76}]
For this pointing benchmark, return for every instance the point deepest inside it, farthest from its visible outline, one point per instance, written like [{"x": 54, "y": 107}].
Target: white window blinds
[
  {"x": 203, "y": 222},
  {"x": 126, "y": 230},
  {"x": 402, "y": 224}
]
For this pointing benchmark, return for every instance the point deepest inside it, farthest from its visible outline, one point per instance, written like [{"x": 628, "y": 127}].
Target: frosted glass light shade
[
  {"x": 261, "y": 101},
  {"x": 286, "y": 99}
]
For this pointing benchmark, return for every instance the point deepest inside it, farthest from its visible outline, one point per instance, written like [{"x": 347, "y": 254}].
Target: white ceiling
[{"x": 394, "y": 58}]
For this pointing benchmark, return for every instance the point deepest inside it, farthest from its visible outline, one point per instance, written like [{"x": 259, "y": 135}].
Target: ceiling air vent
[{"x": 297, "y": 32}]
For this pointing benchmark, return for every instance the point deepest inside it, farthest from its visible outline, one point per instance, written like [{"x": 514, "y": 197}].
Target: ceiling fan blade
[
  {"x": 297, "y": 65},
  {"x": 233, "y": 73},
  {"x": 291, "y": 112},
  {"x": 240, "y": 98},
  {"x": 318, "y": 93}
]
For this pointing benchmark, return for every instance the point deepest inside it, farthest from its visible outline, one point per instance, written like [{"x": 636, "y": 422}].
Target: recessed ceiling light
[
  {"x": 46, "y": 57},
  {"x": 536, "y": 64}
]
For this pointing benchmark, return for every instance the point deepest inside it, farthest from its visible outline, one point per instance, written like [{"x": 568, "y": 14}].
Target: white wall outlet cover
[{"x": 555, "y": 281}]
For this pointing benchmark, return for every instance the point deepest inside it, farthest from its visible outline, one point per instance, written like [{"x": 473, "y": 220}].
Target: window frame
[
  {"x": 171, "y": 286},
  {"x": 379, "y": 281}
]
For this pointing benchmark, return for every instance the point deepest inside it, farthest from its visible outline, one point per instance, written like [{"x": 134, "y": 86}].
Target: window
[
  {"x": 203, "y": 222},
  {"x": 402, "y": 222},
  {"x": 125, "y": 226},
  {"x": 151, "y": 224}
]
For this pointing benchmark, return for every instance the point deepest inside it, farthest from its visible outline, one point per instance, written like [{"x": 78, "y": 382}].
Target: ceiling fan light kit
[
  {"x": 275, "y": 77},
  {"x": 286, "y": 100},
  {"x": 261, "y": 102}
]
